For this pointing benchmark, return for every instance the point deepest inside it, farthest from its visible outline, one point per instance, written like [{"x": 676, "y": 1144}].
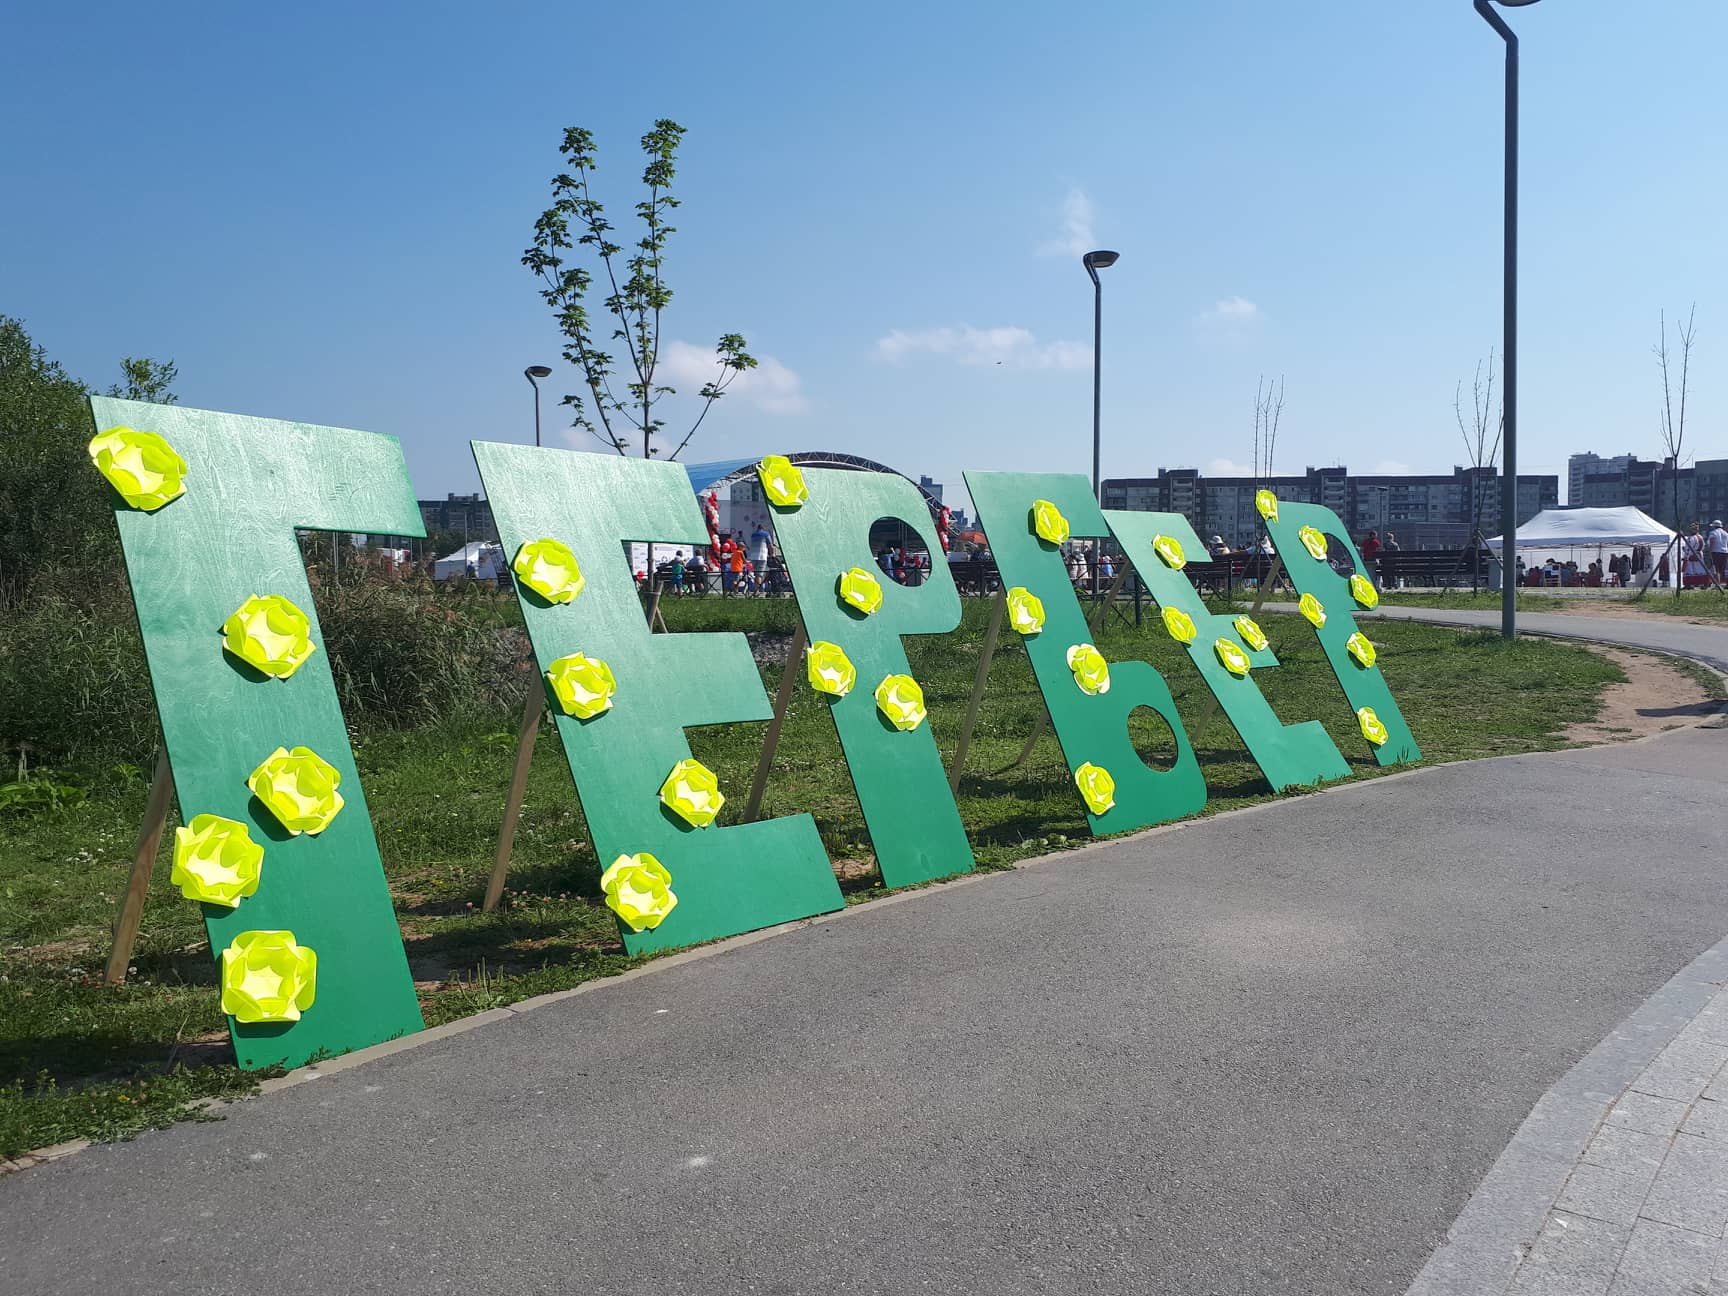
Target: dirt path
[{"x": 1656, "y": 696}]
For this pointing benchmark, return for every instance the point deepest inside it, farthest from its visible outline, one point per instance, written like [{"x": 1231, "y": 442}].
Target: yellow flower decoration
[
  {"x": 782, "y": 482},
  {"x": 1363, "y": 591},
  {"x": 1179, "y": 624},
  {"x": 549, "y": 568},
  {"x": 1170, "y": 550},
  {"x": 142, "y": 466},
  {"x": 639, "y": 890},
  {"x": 1251, "y": 633},
  {"x": 1372, "y": 729},
  {"x": 1097, "y": 788},
  {"x": 861, "y": 590},
  {"x": 216, "y": 860},
  {"x": 1048, "y": 522},
  {"x": 1091, "y": 671},
  {"x": 1313, "y": 609},
  {"x": 1314, "y": 541},
  {"x": 267, "y": 976},
  {"x": 270, "y": 634},
  {"x": 583, "y": 685},
  {"x": 1266, "y": 504},
  {"x": 692, "y": 792},
  {"x": 1025, "y": 610},
  {"x": 900, "y": 699},
  {"x": 299, "y": 788},
  {"x": 1357, "y": 646},
  {"x": 829, "y": 669},
  {"x": 1231, "y": 655}
]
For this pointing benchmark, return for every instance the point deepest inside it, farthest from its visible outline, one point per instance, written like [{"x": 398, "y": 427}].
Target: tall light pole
[
  {"x": 1094, "y": 262},
  {"x": 1509, "y": 325},
  {"x": 533, "y": 373}
]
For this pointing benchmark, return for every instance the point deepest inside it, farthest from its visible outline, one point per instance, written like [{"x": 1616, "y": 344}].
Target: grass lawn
[
  {"x": 1703, "y": 605},
  {"x": 80, "y": 1059}
]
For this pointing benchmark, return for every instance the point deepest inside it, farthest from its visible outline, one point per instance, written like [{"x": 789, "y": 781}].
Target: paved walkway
[
  {"x": 1274, "y": 1051},
  {"x": 1704, "y": 643}
]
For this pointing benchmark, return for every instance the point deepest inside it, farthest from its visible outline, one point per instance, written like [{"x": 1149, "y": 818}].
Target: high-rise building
[
  {"x": 1582, "y": 465},
  {"x": 1437, "y": 511}
]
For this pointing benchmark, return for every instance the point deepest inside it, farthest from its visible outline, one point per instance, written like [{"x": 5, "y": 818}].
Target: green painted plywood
[
  {"x": 1092, "y": 728},
  {"x": 902, "y": 787},
  {"x": 1289, "y": 755},
  {"x": 249, "y": 483},
  {"x": 1363, "y": 686},
  {"x": 727, "y": 879}
]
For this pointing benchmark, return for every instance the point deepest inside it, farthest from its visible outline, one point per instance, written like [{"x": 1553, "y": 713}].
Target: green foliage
[
  {"x": 39, "y": 792},
  {"x": 577, "y": 219},
  {"x": 54, "y": 511}
]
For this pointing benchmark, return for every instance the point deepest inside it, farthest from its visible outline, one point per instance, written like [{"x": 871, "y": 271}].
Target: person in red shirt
[{"x": 1371, "y": 548}]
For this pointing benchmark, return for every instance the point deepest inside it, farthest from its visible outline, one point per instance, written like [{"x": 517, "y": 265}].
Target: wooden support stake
[
  {"x": 782, "y": 700},
  {"x": 957, "y": 766},
  {"x": 143, "y": 862},
  {"x": 525, "y": 737}
]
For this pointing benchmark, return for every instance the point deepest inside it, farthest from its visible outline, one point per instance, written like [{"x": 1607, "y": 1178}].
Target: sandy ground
[{"x": 1655, "y": 696}]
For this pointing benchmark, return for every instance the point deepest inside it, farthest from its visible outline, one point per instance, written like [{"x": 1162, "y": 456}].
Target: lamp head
[
  {"x": 1514, "y": 4},
  {"x": 1101, "y": 260},
  {"x": 537, "y": 371}
]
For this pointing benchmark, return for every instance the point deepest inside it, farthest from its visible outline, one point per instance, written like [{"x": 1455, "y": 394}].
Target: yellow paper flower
[
  {"x": 1230, "y": 653},
  {"x": 829, "y": 669},
  {"x": 1266, "y": 504},
  {"x": 639, "y": 890},
  {"x": 861, "y": 590},
  {"x": 1179, "y": 624},
  {"x": 1363, "y": 591},
  {"x": 1169, "y": 548},
  {"x": 549, "y": 568},
  {"x": 267, "y": 976},
  {"x": 1251, "y": 633},
  {"x": 1048, "y": 522},
  {"x": 142, "y": 466},
  {"x": 1314, "y": 541},
  {"x": 299, "y": 788},
  {"x": 900, "y": 699},
  {"x": 1097, "y": 788},
  {"x": 269, "y": 634},
  {"x": 782, "y": 482},
  {"x": 1372, "y": 729},
  {"x": 692, "y": 792},
  {"x": 1025, "y": 610},
  {"x": 1357, "y": 646},
  {"x": 1313, "y": 609},
  {"x": 216, "y": 860},
  {"x": 583, "y": 685},
  {"x": 1091, "y": 671}
]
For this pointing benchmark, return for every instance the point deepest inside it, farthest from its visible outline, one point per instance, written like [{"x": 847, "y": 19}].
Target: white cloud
[
  {"x": 1228, "y": 468},
  {"x": 1076, "y": 238},
  {"x": 1012, "y": 346},
  {"x": 1231, "y": 311},
  {"x": 1392, "y": 468},
  {"x": 770, "y": 387}
]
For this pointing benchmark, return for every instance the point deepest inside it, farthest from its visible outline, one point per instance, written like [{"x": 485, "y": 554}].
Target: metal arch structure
[{"x": 725, "y": 473}]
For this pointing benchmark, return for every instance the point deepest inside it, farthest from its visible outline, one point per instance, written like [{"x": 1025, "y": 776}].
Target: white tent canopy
[
  {"x": 1589, "y": 528},
  {"x": 486, "y": 559}
]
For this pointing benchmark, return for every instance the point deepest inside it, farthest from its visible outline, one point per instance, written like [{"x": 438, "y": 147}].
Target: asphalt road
[
  {"x": 1269, "y": 1052},
  {"x": 1705, "y": 643}
]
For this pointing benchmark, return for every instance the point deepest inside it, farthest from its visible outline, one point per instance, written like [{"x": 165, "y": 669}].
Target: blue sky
[{"x": 317, "y": 210}]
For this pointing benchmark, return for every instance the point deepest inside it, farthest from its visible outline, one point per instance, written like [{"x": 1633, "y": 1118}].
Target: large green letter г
[
  {"x": 276, "y": 844},
  {"x": 623, "y": 698},
  {"x": 1305, "y": 534},
  {"x": 855, "y": 614},
  {"x": 1028, "y": 516}
]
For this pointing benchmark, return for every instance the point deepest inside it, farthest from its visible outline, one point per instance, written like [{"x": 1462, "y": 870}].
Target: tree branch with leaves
[{"x": 575, "y": 227}]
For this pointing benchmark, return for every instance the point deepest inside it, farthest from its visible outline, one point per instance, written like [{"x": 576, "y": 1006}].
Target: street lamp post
[
  {"x": 1094, "y": 262},
  {"x": 1509, "y": 323},
  {"x": 533, "y": 373}
]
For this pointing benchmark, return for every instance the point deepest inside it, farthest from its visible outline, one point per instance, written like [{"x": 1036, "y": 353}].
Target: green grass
[
  {"x": 81, "y": 1059},
  {"x": 1705, "y": 604}
]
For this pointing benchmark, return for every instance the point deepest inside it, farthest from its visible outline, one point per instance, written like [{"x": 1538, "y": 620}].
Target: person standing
[
  {"x": 1716, "y": 541},
  {"x": 759, "y": 547},
  {"x": 1371, "y": 547}
]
